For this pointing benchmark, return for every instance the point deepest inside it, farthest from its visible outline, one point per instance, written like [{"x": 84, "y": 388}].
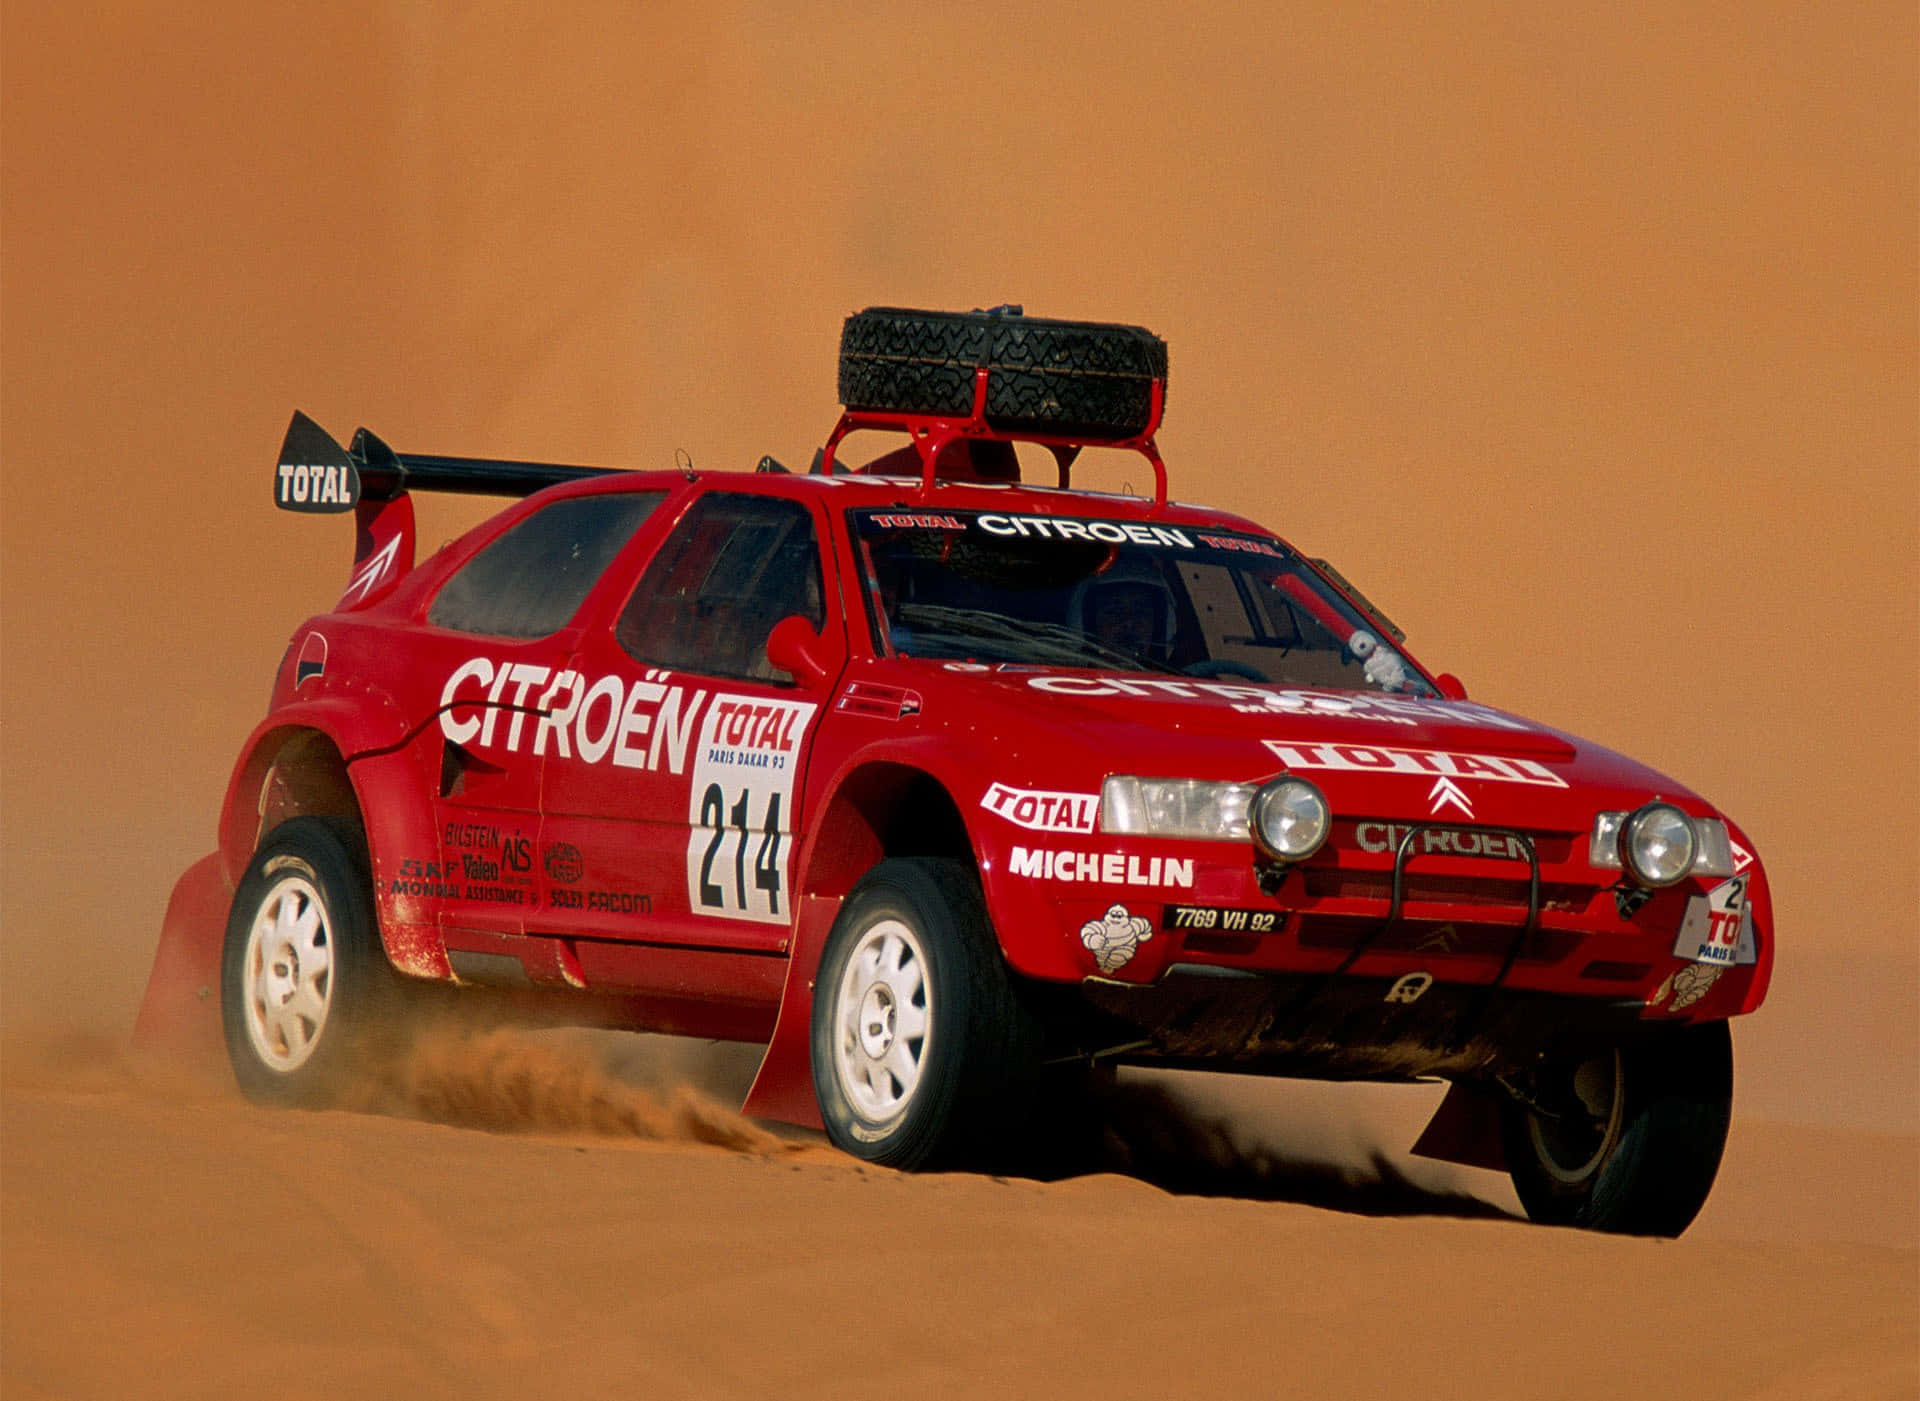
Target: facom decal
[
  {"x": 1107, "y": 532},
  {"x": 1441, "y": 841},
  {"x": 639, "y": 726},
  {"x": 1115, "y": 938},
  {"x": 1100, "y": 867},
  {"x": 1421, "y": 763},
  {"x": 612, "y": 902},
  {"x": 740, "y": 807},
  {"x": 1040, "y": 811},
  {"x": 313, "y": 660},
  {"x": 1718, "y": 927}
]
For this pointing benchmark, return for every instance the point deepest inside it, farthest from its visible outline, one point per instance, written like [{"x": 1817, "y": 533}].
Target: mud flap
[
  {"x": 1465, "y": 1129},
  {"x": 783, "y": 1089},
  {"x": 180, "y": 1014}
]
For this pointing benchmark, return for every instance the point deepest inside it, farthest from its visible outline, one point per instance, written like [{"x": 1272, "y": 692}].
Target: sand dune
[{"x": 1585, "y": 342}]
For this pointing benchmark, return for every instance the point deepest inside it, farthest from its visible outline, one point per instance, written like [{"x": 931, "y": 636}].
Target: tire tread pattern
[{"x": 1071, "y": 378}]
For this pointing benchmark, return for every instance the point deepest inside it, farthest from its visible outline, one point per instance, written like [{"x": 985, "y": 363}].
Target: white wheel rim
[
  {"x": 287, "y": 976},
  {"x": 883, "y": 1017},
  {"x": 1601, "y": 1085}
]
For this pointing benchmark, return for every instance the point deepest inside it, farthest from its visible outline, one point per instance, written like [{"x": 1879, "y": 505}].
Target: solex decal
[
  {"x": 641, "y": 725},
  {"x": 740, "y": 807},
  {"x": 1040, "y": 811}
]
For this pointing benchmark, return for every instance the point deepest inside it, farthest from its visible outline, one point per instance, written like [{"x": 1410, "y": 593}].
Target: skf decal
[
  {"x": 641, "y": 726},
  {"x": 1409, "y": 988},
  {"x": 1041, "y": 811},
  {"x": 313, "y": 660},
  {"x": 1718, "y": 928},
  {"x": 1114, "y": 939},
  {"x": 740, "y": 807},
  {"x": 1421, "y": 763},
  {"x": 1101, "y": 868},
  {"x": 1441, "y": 841}
]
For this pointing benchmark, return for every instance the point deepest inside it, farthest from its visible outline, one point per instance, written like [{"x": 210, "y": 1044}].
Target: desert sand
[{"x": 1588, "y": 344}]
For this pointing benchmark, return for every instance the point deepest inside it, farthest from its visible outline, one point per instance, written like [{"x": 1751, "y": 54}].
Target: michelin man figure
[{"x": 1114, "y": 939}]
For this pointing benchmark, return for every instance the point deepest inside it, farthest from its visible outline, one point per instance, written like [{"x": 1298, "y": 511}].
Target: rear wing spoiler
[{"x": 316, "y": 475}]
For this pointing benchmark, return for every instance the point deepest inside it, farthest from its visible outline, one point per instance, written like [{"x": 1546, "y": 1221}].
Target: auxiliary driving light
[
  {"x": 1290, "y": 818},
  {"x": 1658, "y": 844}
]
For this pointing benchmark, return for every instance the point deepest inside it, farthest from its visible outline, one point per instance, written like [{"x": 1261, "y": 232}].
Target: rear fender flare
[{"x": 367, "y": 736}]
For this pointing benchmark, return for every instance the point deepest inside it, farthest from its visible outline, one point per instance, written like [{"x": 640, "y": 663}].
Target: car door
[
  {"x": 499, "y": 638},
  {"x": 681, "y": 822}
]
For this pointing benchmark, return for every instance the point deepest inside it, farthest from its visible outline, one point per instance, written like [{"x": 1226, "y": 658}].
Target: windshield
[{"x": 982, "y": 586}]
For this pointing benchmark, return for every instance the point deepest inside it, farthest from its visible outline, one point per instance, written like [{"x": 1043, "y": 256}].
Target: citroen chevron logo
[
  {"x": 370, "y": 573},
  {"x": 1445, "y": 791}
]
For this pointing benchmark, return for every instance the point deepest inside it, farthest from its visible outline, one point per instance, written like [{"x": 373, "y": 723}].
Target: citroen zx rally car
[{"x": 948, "y": 785}]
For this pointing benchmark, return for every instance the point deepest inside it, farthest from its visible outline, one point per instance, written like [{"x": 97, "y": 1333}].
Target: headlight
[
  {"x": 1712, "y": 854},
  {"x": 1290, "y": 818},
  {"x": 1175, "y": 807},
  {"x": 1658, "y": 844}
]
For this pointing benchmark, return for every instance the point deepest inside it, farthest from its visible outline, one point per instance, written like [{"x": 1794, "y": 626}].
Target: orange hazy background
[
  {"x": 1584, "y": 342},
  {"x": 1585, "y": 339}
]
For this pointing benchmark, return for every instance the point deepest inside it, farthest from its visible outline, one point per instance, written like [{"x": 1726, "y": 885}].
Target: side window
[
  {"x": 532, "y": 580},
  {"x": 734, "y": 566}
]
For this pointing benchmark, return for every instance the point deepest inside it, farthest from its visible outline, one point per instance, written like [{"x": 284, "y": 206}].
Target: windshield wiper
[{"x": 1055, "y": 641}]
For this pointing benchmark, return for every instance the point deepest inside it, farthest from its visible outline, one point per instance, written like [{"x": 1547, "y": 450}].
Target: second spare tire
[{"x": 1089, "y": 379}]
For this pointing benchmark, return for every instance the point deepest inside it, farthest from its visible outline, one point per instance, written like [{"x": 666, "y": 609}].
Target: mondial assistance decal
[{"x": 740, "y": 807}]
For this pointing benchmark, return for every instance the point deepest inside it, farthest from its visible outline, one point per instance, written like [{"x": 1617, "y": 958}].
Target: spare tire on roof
[{"x": 1071, "y": 378}]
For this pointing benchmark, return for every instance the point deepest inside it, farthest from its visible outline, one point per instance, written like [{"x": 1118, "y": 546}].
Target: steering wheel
[{"x": 1219, "y": 666}]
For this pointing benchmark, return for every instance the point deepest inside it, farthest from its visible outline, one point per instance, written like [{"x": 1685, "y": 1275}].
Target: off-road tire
[
  {"x": 311, "y": 873},
  {"x": 973, "y": 1071},
  {"x": 1085, "y": 379},
  {"x": 1644, "y": 1167}
]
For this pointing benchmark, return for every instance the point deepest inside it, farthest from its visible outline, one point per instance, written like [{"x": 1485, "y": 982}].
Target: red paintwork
[{"x": 549, "y": 826}]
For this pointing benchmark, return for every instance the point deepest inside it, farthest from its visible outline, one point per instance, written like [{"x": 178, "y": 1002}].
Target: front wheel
[
  {"x": 922, "y": 1052},
  {"x": 1628, "y": 1140},
  {"x": 305, "y": 984}
]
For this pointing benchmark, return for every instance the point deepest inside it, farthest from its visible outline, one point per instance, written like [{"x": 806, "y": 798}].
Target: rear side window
[
  {"x": 734, "y": 566},
  {"x": 532, "y": 580}
]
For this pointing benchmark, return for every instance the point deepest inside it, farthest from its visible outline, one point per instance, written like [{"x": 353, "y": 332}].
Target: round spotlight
[
  {"x": 1658, "y": 843},
  {"x": 1290, "y": 819}
]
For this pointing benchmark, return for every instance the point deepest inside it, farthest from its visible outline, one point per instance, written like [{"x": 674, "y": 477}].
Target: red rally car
[{"x": 949, "y": 786}]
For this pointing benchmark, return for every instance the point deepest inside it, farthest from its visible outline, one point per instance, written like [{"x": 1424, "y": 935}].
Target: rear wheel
[
  {"x": 1628, "y": 1140},
  {"x": 305, "y": 983},
  {"x": 922, "y": 1053}
]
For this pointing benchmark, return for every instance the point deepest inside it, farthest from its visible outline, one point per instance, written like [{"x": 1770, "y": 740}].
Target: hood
[{"x": 1372, "y": 753}]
